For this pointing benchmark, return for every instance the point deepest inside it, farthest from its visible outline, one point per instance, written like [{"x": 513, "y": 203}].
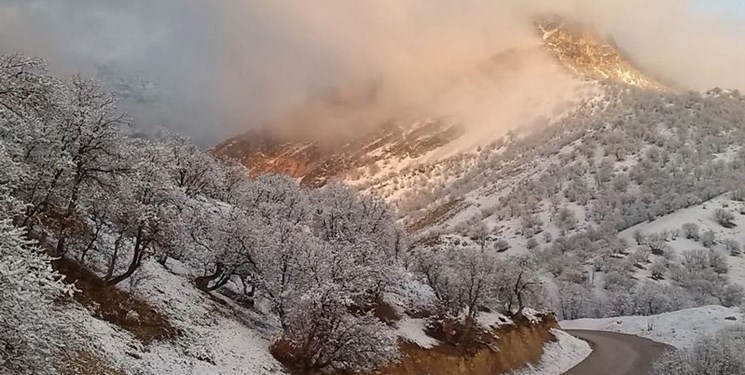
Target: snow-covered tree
[
  {"x": 463, "y": 279},
  {"x": 519, "y": 283},
  {"x": 227, "y": 240},
  {"x": 566, "y": 220},
  {"x": 321, "y": 335},
  {"x": 148, "y": 208},
  {"x": 659, "y": 268},
  {"x": 78, "y": 148},
  {"x": 193, "y": 170},
  {"x": 656, "y": 243},
  {"x": 32, "y": 330},
  {"x": 575, "y": 301},
  {"x": 651, "y": 298},
  {"x": 720, "y": 354}
]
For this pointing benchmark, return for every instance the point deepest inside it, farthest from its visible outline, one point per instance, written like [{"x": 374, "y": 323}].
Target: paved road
[{"x": 617, "y": 354}]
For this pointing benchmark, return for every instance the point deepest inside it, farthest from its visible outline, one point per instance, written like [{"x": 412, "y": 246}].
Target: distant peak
[{"x": 590, "y": 55}]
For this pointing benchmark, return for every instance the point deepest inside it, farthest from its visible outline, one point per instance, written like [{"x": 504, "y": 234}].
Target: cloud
[
  {"x": 175, "y": 44},
  {"x": 223, "y": 66}
]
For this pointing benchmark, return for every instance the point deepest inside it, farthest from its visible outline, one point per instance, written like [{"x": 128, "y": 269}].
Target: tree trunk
[
  {"x": 42, "y": 239},
  {"x": 251, "y": 295},
  {"x": 114, "y": 256},
  {"x": 162, "y": 259},
  {"x": 90, "y": 243},
  {"x": 139, "y": 251},
  {"x": 203, "y": 282},
  {"x": 219, "y": 284},
  {"x": 60, "y": 251}
]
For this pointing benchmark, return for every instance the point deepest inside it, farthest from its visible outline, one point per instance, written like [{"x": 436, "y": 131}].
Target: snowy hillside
[
  {"x": 422, "y": 238},
  {"x": 680, "y": 329},
  {"x": 571, "y": 194},
  {"x": 704, "y": 231},
  {"x": 214, "y": 338},
  {"x": 569, "y": 188},
  {"x": 123, "y": 255}
]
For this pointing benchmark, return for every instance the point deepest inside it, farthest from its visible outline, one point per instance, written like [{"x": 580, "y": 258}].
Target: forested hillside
[
  {"x": 100, "y": 228},
  {"x": 565, "y": 193}
]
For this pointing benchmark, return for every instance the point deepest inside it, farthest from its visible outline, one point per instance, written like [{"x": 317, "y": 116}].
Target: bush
[
  {"x": 732, "y": 246},
  {"x": 718, "y": 262},
  {"x": 640, "y": 237},
  {"x": 725, "y": 218},
  {"x": 709, "y": 239},
  {"x": 738, "y": 195},
  {"x": 691, "y": 231},
  {"x": 732, "y": 295},
  {"x": 566, "y": 220},
  {"x": 547, "y": 237},
  {"x": 656, "y": 243},
  {"x": 501, "y": 246},
  {"x": 716, "y": 355},
  {"x": 619, "y": 280},
  {"x": 658, "y": 269}
]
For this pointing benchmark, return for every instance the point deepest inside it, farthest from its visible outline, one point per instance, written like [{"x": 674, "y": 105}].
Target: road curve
[{"x": 617, "y": 354}]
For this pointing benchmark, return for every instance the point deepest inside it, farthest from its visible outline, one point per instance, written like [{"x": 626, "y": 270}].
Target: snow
[
  {"x": 679, "y": 328},
  {"x": 532, "y": 315},
  {"x": 703, "y": 216},
  {"x": 211, "y": 338},
  {"x": 412, "y": 330},
  {"x": 493, "y": 320},
  {"x": 559, "y": 356}
]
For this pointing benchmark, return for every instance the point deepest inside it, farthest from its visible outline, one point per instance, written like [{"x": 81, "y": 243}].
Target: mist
[{"x": 221, "y": 67}]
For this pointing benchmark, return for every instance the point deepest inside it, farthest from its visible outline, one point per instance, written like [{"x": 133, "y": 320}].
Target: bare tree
[{"x": 519, "y": 284}]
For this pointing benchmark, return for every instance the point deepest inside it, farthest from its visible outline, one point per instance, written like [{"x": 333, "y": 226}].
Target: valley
[{"x": 552, "y": 209}]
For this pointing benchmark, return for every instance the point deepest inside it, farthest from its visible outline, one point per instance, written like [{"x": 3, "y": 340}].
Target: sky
[
  {"x": 723, "y": 8},
  {"x": 223, "y": 66}
]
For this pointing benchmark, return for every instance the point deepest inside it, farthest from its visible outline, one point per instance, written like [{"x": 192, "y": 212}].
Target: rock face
[
  {"x": 513, "y": 348},
  {"x": 592, "y": 57},
  {"x": 387, "y": 139},
  {"x": 315, "y": 163}
]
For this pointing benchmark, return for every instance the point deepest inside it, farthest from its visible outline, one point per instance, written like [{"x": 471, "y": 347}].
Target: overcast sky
[
  {"x": 174, "y": 43},
  {"x": 224, "y": 65}
]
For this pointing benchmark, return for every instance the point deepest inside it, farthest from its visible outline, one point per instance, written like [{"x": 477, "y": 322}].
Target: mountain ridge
[{"x": 581, "y": 53}]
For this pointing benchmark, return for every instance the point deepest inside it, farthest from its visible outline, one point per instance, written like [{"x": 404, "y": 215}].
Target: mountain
[
  {"x": 315, "y": 163},
  {"x": 588, "y": 55},
  {"x": 552, "y": 182},
  {"x": 571, "y": 182},
  {"x": 408, "y": 139}
]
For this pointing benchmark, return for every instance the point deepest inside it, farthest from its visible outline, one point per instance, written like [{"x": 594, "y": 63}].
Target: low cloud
[{"x": 224, "y": 66}]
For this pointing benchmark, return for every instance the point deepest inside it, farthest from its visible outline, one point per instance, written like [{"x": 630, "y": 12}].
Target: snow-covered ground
[
  {"x": 412, "y": 330},
  {"x": 703, "y": 216},
  {"x": 559, "y": 356},
  {"x": 679, "y": 328},
  {"x": 210, "y": 341}
]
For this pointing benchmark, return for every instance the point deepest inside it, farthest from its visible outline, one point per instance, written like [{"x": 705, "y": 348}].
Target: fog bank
[{"x": 215, "y": 68}]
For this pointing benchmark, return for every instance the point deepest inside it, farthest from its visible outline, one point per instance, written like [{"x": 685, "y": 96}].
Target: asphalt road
[{"x": 617, "y": 354}]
